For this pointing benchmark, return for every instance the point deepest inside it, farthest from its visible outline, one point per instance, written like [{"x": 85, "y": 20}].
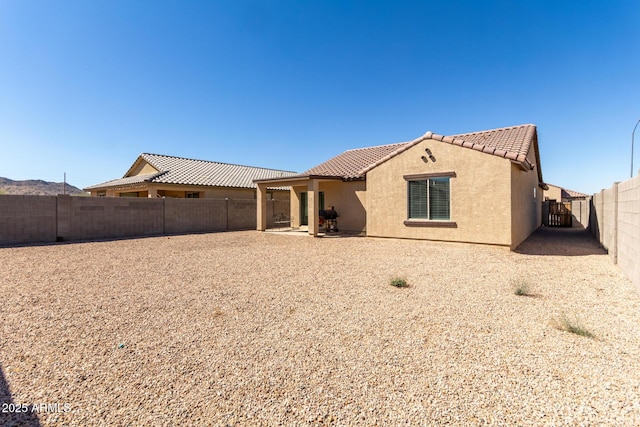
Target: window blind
[
  {"x": 418, "y": 199},
  {"x": 439, "y": 199}
]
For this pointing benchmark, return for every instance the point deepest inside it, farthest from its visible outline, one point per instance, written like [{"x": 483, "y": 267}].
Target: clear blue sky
[{"x": 86, "y": 86}]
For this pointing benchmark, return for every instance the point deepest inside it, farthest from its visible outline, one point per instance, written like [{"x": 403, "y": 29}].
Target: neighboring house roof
[
  {"x": 570, "y": 194},
  {"x": 512, "y": 143},
  {"x": 179, "y": 170}
]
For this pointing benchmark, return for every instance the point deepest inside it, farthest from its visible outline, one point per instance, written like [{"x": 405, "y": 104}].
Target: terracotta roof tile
[
  {"x": 575, "y": 194},
  {"x": 349, "y": 164},
  {"x": 512, "y": 143}
]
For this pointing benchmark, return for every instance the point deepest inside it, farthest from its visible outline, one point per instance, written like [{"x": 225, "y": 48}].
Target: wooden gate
[{"x": 559, "y": 214}]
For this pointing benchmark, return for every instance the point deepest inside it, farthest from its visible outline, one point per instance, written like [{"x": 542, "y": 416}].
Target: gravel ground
[{"x": 249, "y": 328}]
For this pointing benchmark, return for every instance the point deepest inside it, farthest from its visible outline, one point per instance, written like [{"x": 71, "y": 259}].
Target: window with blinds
[{"x": 429, "y": 199}]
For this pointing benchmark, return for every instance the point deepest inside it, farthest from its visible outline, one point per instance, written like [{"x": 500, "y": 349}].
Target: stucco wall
[
  {"x": 170, "y": 190},
  {"x": 526, "y": 202},
  {"x": 553, "y": 193},
  {"x": 480, "y": 195},
  {"x": 348, "y": 198},
  {"x": 143, "y": 168},
  {"x": 294, "y": 213}
]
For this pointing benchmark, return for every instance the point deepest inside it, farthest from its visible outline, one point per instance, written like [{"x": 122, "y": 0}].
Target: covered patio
[{"x": 311, "y": 194}]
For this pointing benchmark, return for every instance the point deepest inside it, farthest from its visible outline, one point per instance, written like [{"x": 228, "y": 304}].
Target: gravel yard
[{"x": 249, "y": 328}]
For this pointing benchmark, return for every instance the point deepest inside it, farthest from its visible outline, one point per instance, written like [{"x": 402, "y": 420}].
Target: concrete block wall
[
  {"x": 275, "y": 207},
  {"x": 27, "y": 219},
  {"x": 596, "y": 215},
  {"x": 615, "y": 223},
  {"x": 242, "y": 215},
  {"x": 86, "y": 218},
  {"x": 580, "y": 213},
  {"x": 629, "y": 228},
  {"x": 195, "y": 215},
  {"x": 46, "y": 219},
  {"x": 609, "y": 230}
]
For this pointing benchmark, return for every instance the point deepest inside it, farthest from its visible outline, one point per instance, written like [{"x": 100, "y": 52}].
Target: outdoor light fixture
[
  {"x": 424, "y": 159},
  {"x": 632, "y": 134}
]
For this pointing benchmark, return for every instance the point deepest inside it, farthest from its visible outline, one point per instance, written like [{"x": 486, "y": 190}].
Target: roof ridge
[
  {"x": 404, "y": 146},
  {"x": 213, "y": 161},
  {"x": 462, "y": 141},
  {"x": 376, "y": 146},
  {"x": 494, "y": 130},
  {"x": 568, "y": 189}
]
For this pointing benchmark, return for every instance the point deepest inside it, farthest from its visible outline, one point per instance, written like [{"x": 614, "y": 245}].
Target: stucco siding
[
  {"x": 142, "y": 169},
  {"x": 553, "y": 193},
  {"x": 526, "y": 202},
  {"x": 480, "y": 195},
  {"x": 178, "y": 191},
  {"x": 348, "y": 198}
]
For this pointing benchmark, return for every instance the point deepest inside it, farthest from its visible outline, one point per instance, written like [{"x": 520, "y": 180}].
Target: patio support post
[
  {"x": 313, "y": 207},
  {"x": 261, "y": 197},
  {"x": 294, "y": 207},
  {"x": 153, "y": 192}
]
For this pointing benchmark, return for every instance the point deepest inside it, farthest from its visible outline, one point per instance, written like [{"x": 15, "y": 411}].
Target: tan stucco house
[
  {"x": 156, "y": 175},
  {"x": 560, "y": 194},
  {"x": 480, "y": 187}
]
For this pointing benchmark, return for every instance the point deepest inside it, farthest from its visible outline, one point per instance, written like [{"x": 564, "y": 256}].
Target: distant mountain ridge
[{"x": 36, "y": 187}]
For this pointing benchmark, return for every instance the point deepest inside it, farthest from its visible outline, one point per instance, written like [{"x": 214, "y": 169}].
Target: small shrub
[
  {"x": 399, "y": 282},
  {"x": 522, "y": 289},
  {"x": 573, "y": 326}
]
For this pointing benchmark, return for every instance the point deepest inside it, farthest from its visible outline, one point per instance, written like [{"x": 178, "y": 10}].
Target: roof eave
[
  {"x": 300, "y": 178},
  {"x": 389, "y": 156}
]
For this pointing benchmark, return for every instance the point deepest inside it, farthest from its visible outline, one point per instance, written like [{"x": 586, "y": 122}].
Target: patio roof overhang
[
  {"x": 298, "y": 179},
  {"x": 311, "y": 182}
]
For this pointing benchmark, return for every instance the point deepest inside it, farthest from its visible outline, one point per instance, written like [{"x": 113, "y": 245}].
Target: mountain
[{"x": 36, "y": 187}]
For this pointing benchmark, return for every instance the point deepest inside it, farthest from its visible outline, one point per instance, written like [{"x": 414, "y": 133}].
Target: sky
[{"x": 87, "y": 86}]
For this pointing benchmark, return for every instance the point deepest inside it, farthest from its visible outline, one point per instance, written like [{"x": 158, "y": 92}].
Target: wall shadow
[
  {"x": 560, "y": 241},
  {"x": 8, "y": 416}
]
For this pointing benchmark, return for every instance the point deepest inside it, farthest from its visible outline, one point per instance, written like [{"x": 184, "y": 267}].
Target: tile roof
[
  {"x": 512, "y": 143},
  {"x": 570, "y": 194},
  {"x": 129, "y": 180},
  {"x": 349, "y": 164},
  {"x": 179, "y": 170}
]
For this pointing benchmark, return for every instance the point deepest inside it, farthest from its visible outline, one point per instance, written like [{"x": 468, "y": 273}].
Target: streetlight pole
[{"x": 632, "y": 134}]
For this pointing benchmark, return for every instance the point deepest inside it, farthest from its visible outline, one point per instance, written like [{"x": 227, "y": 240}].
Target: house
[
  {"x": 156, "y": 175},
  {"x": 480, "y": 187},
  {"x": 564, "y": 208},
  {"x": 560, "y": 194}
]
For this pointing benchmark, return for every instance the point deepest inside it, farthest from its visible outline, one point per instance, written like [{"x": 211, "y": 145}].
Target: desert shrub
[
  {"x": 573, "y": 326},
  {"x": 399, "y": 282},
  {"x": 522, "y": 288}
]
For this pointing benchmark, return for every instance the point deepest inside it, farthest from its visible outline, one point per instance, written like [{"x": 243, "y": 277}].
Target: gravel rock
[{"x": 249, "y": 328}]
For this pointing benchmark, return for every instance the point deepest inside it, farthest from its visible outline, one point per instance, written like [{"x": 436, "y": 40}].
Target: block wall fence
[
  {"x": 46, "y": 219},
  {"x": 614, "y": 220}
]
